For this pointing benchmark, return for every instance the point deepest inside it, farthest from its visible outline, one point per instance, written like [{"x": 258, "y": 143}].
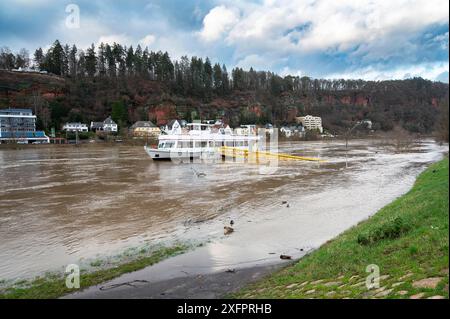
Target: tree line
[
  {"x": 193, "y": 76},
  {"x": 193, "y": 82}
]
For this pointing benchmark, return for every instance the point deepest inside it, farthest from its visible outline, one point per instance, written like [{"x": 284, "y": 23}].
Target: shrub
[{"x": 389, "y": 230}]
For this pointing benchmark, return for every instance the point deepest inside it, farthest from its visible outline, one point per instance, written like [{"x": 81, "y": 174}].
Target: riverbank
[
  {"x": 53, "y": 285},
  {"x": 408, "y": 240}
]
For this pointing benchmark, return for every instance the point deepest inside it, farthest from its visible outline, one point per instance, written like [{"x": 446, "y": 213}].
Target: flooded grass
[
  {"x": 53, "y": 285},
  {"x": 413, "y": 263}
]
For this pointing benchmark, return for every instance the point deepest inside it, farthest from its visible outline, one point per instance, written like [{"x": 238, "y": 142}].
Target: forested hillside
[{"x": 138, "y": 84}]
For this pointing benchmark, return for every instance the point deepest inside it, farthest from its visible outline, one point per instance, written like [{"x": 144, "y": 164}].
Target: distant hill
[{"x": 414, "y": 103}]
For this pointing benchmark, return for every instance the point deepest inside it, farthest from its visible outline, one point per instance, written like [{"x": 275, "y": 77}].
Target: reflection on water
[{"x": 61, "y": 204}]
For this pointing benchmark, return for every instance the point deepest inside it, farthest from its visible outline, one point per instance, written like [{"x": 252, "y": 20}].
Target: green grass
[
  {"x": 408, "y": 240},
  {"x": 54, "y": 285}
]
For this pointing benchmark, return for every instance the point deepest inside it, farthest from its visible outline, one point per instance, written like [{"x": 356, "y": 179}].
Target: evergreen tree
[
  {"x": 81, "y": 65},
  {"x": 110, "y": 60},
  {"x": 225, "y": 80},
  {"x": 54, "y": 59},
  {"x": 91, "y": 61},
  {"x": 129, "y": 61},
  {"x": 217, "y": 79},
  {"x": 73, "y": 61},
  {"x": 208, "y": 77},
  {"x": 145, "y": 62},
  {"x": 119, "y": 52},
  {"x": 101, "y": 60},
  {"x": 65, "y": 61},
  {"x": 138, "y": 62}
]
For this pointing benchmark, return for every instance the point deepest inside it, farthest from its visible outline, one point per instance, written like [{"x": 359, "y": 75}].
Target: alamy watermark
[
  {"x": 255, "y": 147},
  {"x": 73, "y": 277},
  {"x": 73, "y": 18},
  {"x": 373, "y": 279}
]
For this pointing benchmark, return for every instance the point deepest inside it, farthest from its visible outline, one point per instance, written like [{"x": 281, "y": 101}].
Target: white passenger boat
[{"x": 199, "y": 140}]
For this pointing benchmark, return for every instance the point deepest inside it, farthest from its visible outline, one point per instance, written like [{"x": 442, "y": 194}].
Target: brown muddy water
[{"x": 64, "y": 205}]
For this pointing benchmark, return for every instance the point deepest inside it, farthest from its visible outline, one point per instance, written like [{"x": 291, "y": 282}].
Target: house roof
[
  {"x": 143, "y": 124},
  {"x": 171, "y": 123},
  {"x": 9, "y": 110},
  {"x": 109, "y": 121},
  {"x": 96, "y": 124}
]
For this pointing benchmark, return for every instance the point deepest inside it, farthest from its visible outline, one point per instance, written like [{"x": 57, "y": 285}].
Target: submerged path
[{"x": 209, "y": 286}]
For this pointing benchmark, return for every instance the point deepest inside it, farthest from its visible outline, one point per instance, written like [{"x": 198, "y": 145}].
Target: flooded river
[{"x": 61, "y": 205}]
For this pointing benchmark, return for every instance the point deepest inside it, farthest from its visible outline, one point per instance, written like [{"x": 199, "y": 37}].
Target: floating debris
[
  {"x": 199, "y": 174},
  {"x": 285, "y": 257},
  {"x": 227, "y": 230},
  {"x": 230, "y": 270},
  {"x": 128, "y": 283}
]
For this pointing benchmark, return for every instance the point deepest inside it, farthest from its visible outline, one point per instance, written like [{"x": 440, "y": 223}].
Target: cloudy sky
[{"x": 369, "y": 39}]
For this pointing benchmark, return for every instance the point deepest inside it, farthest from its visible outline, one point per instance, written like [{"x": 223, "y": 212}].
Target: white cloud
[
  {"x": 256, "y": 61},
  {"x": 442, "y": 39},
  {"x": 288, "y": 71},
  {"x": 148, "y": 40},
  {"x": 431, "y": 71},
  {"x": 115, "y": 38},
  {"x": 217, "y": 22},
  {"x": 329, "y": 25}
]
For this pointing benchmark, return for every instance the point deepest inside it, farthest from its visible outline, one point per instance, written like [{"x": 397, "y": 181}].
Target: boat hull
[{"x": 167, "y": 155}]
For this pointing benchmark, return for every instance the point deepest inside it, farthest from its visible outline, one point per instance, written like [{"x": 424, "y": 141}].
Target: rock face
[{"x": 92, "y": 99}]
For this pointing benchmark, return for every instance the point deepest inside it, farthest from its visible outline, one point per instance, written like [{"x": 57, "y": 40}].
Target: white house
[
  {"x": 293, "y": 131},
  {"x": 107, "y": 125},
  {"x": 75, "y": 127},
  {"x": 173, "y": 127},
  {"x": 286, "y": 131}
]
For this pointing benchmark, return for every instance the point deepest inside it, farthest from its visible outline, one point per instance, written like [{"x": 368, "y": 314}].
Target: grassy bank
[
  {"x": 54, "y": 286},
  {"x": 408, "y": 240}
]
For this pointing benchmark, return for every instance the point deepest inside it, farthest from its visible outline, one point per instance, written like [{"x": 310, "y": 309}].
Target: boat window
[
  {"x": 169, "y": 144},
  {"x": 204, "y": 144}
]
